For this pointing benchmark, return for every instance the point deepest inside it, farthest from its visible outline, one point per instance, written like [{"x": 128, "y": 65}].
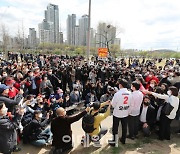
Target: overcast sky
[{"x": 145, "y": 24}]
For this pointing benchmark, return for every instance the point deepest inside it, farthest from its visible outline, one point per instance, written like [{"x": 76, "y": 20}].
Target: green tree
[
  {"x": 79, "y": 51},
  {"x": 115, "y": 49}
]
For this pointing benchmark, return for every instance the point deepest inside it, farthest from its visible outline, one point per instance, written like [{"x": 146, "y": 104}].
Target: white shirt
[
  {"x": 121, "y": 102},
  {"x": 135, "y": 104},
  {"x": 174, "y": 101},
  {"x": 143, "y": 114}
]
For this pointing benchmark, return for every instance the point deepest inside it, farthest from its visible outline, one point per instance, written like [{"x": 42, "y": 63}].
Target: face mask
[
  {"x": 169, "y": 92},
  {"x": 31, "y": 75},
  {"x": 150, "y": 76},
  {"x": 4, "y": 111},
  {"x": 77, "y": 92},
  {"x": 163, "y": 76},
  {"x": 152, "y": 85},
  {"x": 61, "y": 94},
  {"x": 49, "y": 73},
  {"x": 41, "y": 106},
  {"x": 146, "y": 74},
  {"x": 40, "y": 115},
  {"x": 171, "y": 74},
  {"x": 53, "y": 100},
  {"x": 4, "y": 75}
]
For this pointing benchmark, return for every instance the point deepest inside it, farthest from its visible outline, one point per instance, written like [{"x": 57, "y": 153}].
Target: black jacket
[
  {"x": 36, "y": 129},
  {"x": 8, "y": 136},
  {"x": 54, "y": 80},
  {"x": 10, "y": 103},
  {"x": 150, "y": 115},
  {"x": 61, "y": 126},
  {"x": 165, "y": 80}
]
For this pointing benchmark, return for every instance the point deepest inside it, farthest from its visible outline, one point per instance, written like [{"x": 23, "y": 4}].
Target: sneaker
[
  {"x": 48, "y": 144},
  {"x": 97, "y": 144},
  {"x": 178, "y": 132},
  {"x": 82, "y": 140},
  {"x": 112, "y": 143},
  {"x": 122, "y": 141},
  {"x": 161, "y": 139},
  {"x": 16, "y": 149},
  {"x": 130, "y": 137}
]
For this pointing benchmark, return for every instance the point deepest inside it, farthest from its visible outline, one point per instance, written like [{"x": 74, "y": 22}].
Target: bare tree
[
  {"x": 20, "y": 37},
  {"x": 106, "y": 35},
  {"x": 23, "y": 35},
  {"x": 5, "y": 39},
  {"x": 18, "y": 40}
]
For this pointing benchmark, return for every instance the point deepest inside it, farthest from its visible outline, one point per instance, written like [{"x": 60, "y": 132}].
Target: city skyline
[{"x": 146, "y": 24}]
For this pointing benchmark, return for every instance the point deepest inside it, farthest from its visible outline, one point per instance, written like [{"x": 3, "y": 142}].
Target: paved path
[
  {"x": 132, "y": 147},
  {"x": 77, "y": 134}
]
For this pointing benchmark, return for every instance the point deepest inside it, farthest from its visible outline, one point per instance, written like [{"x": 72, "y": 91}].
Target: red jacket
[
  {"x": 13, "y": 92},
  {"x": 148, "y": 79}
]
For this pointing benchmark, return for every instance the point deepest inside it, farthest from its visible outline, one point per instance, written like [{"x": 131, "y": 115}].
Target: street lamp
[
  {"x": 105, "y": 41},
  {"x": 89, "y": 33}
]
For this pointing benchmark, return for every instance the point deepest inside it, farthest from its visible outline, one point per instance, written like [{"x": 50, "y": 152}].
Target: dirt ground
[{"x": 142, "y": 145}]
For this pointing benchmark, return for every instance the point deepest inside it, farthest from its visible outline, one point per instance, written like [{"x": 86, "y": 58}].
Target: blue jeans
[{"x": 43, "y": 142}]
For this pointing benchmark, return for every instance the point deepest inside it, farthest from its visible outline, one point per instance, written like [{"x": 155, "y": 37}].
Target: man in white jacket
[
  {"x": 134, "y": 110},
  {"x": 120, "y": 103}
]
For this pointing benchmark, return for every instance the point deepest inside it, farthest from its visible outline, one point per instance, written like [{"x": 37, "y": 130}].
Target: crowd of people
[{"x": 37, "y": 90}]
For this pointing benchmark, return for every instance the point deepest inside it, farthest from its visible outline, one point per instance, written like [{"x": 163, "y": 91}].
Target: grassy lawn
[
  {"x": 148, "y": 145},
  {"x": 162, "y": 63}
]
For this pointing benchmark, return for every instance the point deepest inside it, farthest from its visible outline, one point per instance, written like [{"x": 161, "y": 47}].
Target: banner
[{"x": 102, "y": 52}]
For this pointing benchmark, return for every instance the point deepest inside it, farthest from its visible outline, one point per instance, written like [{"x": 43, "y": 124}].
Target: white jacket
[
  {"x": 121, "y": 102},
  {"x": 136, "y": 101}
]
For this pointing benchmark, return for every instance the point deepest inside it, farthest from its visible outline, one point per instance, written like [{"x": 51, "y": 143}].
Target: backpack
[{"x": 88, "y": 122}]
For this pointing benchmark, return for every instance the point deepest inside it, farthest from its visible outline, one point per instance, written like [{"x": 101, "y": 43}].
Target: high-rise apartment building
[
  {"x": 61, "y": 38},
  {"x": 71, "y": 23},
  {"x": 49, "y": 28},
  {"x": 44, "y": 32},
  {"x": 83, "y": 28},
  {"x": 32, "y": 38},
  {"x": 117, "y": 41},
  {"x": 92, "y": 38},
  {"x": 77, "y": 36}
]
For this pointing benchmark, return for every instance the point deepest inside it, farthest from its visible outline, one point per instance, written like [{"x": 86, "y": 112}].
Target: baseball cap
[
  {"x": 51, "y": 96},
  {"x": 9, "y": 81},
  {"x": 3, "y": 87}
]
